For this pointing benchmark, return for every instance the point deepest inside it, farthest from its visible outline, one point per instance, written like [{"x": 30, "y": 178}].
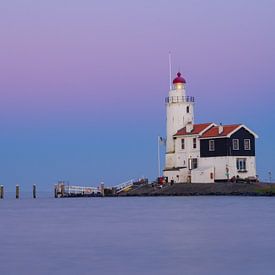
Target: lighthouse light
[{"x": 179, "y": 86}]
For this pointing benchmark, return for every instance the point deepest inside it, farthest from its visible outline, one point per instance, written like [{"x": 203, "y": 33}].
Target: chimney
[
  {"x": 220, "y": 128},
  {"x": 189, "y": 127}
]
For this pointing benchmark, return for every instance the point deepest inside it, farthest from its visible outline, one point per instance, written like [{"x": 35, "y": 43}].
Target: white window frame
[
  {"x": 211, "y": 145},
  {"x": 237, "y": 147},
  {"x": 193, "y": 163},
  {"x": 182, "y": 143},
  {"x": 241, "y": 164},
  {"x": 247, "y": 144},
  {"x": 194, "y": 143}
]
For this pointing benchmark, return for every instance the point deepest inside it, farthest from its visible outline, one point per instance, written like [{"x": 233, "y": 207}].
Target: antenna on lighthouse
[{"x": 170, "y": 71}]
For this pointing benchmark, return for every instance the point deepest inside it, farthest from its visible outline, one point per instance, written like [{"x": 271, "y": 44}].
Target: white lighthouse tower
[{"x": 179, "y": 113}]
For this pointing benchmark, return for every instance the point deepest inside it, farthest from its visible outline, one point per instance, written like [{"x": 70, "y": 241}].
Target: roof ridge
[
  {"x": 224, "y": 125},
  {"x": 227, "y": 129}
]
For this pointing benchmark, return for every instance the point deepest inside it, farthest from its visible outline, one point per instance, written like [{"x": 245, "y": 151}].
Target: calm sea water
[{"x": 162, "y": 235}]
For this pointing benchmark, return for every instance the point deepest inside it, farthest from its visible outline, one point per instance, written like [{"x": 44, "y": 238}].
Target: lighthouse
[
  {"x": 179, "y": 113},
  {"x": 204, "y": 152}
]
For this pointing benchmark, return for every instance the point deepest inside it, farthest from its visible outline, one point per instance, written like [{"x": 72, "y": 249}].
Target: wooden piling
[
  {"x": 17, "y": 191},
  {"x": 62, "y": 190},
  {"x": 55, "y": 191},
  {"x": 102, "y": 189},
  {"x": 1, "y": 192},
  {"x": 34, "y": 191}
]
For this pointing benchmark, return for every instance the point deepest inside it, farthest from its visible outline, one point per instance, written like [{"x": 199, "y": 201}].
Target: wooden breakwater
[{"x": 17, "y": 191}]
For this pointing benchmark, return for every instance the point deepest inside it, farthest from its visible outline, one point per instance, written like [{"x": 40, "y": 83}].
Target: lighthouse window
[
  {"x": 247, "y": 144},
  {"x": 182, "y": 144},
  {"x": 194, "y": 143},
  {"x": 187, "y": 109},
  {"x": 211, "y": 145},
  {"x": 235, "y": 144}
]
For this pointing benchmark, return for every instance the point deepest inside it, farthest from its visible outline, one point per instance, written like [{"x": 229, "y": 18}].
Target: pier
[
  {"x": 65, "y": 190},
  {"x": 142, "y": 187}
]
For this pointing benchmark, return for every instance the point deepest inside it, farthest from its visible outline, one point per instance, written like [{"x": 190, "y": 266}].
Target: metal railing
[
  {"x": 177, "y": 99},
  {"x": 77, "y": 190},
  {"x": 120, "y": 187}
]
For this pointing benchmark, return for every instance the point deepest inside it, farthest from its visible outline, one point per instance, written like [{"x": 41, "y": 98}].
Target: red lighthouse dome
[{"x": 179, "y": 79}]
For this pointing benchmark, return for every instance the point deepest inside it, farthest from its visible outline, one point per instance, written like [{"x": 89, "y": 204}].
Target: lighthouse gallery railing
[{"x": 176, "y": 99}]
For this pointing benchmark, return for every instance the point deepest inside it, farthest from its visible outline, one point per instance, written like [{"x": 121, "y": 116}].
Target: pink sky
[{"x": 73, "y": 72}]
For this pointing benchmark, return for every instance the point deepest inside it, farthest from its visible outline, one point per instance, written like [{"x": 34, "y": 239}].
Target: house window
[
  {"x": 247, "y": 145},
  {"x": 193, "y": 163},
  {"x": 187, "y": 109},
  {"x": 194, "y": 143},
  {"x": 241, "y": 164},
  {"x": 182, "y": 144},
  {"x": 211, "y": 145},
  {"x": 235, "y": 144}
]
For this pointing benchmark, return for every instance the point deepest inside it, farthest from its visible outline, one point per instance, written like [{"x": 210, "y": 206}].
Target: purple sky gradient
[{"x": 82, "y": 83}]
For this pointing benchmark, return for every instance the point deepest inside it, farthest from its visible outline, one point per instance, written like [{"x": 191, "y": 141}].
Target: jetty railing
[
  {"x": 66, "y": 190},
  {"x": 72, "y": 189},
  {"x": 122, "y": 186}
]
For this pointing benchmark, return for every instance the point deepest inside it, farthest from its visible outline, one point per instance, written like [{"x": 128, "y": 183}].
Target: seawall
[{"x": 203, "y": 189}]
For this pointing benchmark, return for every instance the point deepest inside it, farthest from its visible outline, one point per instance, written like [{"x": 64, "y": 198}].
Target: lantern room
[{"x": 178, "y": 82}]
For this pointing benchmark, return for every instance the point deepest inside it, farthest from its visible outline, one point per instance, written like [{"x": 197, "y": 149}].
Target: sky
[{"x": 82, "y": 83}]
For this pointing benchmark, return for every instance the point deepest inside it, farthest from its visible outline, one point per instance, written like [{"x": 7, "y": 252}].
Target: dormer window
[{"x": 235, "y": 143}]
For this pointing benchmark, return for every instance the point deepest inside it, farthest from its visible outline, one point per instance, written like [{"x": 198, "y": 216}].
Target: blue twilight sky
[{"x": 82, "y": 83}]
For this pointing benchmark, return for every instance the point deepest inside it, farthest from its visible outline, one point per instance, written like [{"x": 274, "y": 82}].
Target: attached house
[{"x": 207, "y": 152}]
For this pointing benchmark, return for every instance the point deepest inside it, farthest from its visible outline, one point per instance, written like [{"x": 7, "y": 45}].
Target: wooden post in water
[
  {"x": 62, "y": 190},
  {"x": 17, "y": 191},
  {"x": 1, "y": 192},
  {"x": 55, "y": 191},
  {"x": 34, "y": 191},
  {"x": 102, "y": 189}
]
